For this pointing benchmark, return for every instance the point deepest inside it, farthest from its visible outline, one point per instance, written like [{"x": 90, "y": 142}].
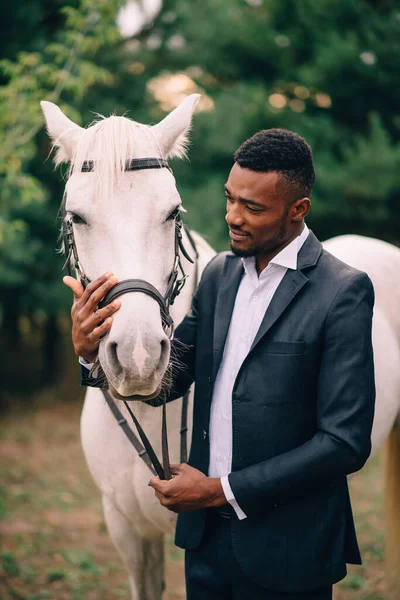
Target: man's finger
[
  {"x": 93, "y": 285},
  {"x": 160, "y": 497},
  {"x": 177, "y": 469},
  {"x": 159, "y": 485},
  {"x": 166, "y": 502},
  {"x": 100, "y": 331},
  {"x": 96, "y": 318},
  {"x": 75, "y": 286},
  {"x": 96, "y": 291},
  {"x": 152, "y": 481}
]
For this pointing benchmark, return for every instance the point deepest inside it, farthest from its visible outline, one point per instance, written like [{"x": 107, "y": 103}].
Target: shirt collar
[{"x": 285, "y": 258}]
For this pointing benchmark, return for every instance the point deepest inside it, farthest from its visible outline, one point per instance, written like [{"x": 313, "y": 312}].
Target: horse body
[{"x": 135, "y": 519}]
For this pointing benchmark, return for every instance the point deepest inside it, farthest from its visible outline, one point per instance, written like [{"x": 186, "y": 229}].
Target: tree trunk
[{"x": 51, "y": 350}]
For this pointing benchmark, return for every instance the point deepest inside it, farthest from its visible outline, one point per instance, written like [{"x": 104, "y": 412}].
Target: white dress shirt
[{"x": 252, "y": 300}]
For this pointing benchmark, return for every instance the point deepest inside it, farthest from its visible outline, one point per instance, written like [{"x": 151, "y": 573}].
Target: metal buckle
[{"x": 180, "y": 284}]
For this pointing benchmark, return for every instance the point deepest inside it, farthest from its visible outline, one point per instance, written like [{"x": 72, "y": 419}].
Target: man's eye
[
  {"x": 77, "y": 219},
  {"x": 174, "y": 214},
  {"x": 253, "y": 210}
]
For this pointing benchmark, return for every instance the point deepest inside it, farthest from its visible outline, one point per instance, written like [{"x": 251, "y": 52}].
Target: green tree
[{"x": 63, "y": 64}]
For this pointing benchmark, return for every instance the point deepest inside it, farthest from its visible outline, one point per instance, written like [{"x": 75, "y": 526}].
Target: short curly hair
[{"x": 282, "y": 151}]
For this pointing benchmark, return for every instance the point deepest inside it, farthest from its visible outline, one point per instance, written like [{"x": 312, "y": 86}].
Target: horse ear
[
  {"x": 172, "y": 132},
  {"x": 64, "y": 132}
]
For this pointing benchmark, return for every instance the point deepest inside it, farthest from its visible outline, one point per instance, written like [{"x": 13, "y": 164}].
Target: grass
[{"x": 54, "y": 543}]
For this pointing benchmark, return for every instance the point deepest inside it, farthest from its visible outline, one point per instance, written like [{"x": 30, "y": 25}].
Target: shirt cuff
[
  {"x": 85, "y": 363},
  {"x": 231, "y": 498},
  {"x": 89, "y": 366}
]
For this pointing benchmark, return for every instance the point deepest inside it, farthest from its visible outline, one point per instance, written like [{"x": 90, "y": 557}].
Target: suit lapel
[
  {"x": 232, "y": 274},
  {"x": 290, "y": 285}
]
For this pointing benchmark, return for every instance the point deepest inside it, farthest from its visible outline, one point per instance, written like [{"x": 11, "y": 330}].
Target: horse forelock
[{"x": 111, "y": 142}]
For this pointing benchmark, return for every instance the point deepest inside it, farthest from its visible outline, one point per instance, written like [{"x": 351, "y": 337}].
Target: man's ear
[
  {"x": 301, "y": 209},
  {"x": 172, "y": 132},
  {"x": 64, "y": 132}
]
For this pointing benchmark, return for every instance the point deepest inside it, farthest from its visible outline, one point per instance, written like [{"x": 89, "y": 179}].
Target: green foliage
[
  {"x": 29, "y": 266},
  {"x": 326, "y": 70},
  {"x": 353, "y": 582},
  {"x": 9, "y": 564},
  {"x": 83, "y": 561},
  {"x": 55, "y": 575}
]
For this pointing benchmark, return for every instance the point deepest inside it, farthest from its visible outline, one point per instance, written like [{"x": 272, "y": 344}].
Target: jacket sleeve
[
  {"x": 345, "y": 409},
  {"x": 88, "y": 380}
]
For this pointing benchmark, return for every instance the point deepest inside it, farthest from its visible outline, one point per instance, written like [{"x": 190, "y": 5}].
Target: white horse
[
  {"x": 121, "y": 225},
  {"x": 124, "y": 229}
]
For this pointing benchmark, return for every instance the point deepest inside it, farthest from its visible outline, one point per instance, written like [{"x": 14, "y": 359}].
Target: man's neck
[{"x": 263, "y": 260}]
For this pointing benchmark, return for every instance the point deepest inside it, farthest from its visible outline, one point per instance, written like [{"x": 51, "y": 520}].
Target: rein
[{"x": 174, "y": 287}]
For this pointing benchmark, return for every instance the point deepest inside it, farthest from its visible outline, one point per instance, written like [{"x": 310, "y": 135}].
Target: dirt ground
[{"x": 54, "y": 544}]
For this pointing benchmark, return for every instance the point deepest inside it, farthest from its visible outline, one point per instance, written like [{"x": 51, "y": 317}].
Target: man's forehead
[{"x": 252, "y": 181}]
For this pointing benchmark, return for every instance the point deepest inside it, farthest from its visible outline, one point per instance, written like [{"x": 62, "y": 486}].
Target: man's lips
[{"x": 237, "y": 236}]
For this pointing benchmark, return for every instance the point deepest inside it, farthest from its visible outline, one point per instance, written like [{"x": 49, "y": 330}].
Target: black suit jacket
[{"x": 302, "y": 412}]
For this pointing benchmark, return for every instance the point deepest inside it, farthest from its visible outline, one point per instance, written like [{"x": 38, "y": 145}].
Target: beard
[
  {"x": 268, "y": 246},
  {"x": 254, "y": 251}
]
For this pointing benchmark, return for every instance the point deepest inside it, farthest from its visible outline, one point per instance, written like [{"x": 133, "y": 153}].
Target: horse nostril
[
  {"x": 164, "y": 349},
  {"x": 164, "y": 356},
  {"x": 113, "y": 351}
]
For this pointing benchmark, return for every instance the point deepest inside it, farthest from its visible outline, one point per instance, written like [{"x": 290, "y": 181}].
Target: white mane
[{"x": 110, "y": 143}]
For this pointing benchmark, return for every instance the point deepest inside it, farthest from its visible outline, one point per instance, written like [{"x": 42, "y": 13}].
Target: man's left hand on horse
[{"x": 189, "y": 489}]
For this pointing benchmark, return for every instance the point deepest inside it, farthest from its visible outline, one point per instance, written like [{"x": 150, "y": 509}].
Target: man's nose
[{"x": 234, "y": 216}]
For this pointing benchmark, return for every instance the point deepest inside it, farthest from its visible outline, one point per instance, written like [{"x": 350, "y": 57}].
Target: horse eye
[
  {"x": 77, "y": 219},
  {"x": 174, "y": 214}
]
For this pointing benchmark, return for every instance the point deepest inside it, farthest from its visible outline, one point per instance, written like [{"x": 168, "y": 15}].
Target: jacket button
[
  {"x": 204, "y": 434},
  {"x": 209, "y": 380}
]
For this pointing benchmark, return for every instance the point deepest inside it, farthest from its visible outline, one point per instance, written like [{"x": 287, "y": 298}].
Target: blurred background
[{"x": 328, "y": 69}]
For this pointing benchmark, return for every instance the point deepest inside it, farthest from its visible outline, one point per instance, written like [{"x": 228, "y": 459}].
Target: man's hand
[
  {"x": 189, "y": 489},
  {"x": 89, "y": 325}
]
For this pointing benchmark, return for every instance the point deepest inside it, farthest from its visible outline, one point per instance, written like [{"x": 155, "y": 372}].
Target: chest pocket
[
  {"x": 273, "y": 373},
  {"x": 285, "y": 347}
]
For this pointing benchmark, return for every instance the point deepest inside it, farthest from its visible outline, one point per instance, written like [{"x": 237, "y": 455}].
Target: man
[{"x": 278, "y": 342}]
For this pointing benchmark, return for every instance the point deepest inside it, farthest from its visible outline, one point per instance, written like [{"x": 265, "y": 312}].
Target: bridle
[{"x": 165, "y": 301}]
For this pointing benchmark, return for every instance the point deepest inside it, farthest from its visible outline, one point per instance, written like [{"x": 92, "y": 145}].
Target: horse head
[{"x": 124, "y": 221}]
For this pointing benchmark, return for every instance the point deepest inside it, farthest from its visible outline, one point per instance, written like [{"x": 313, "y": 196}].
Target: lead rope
[
  {"x": 184, "y": 427},
  {"x": 123, "y": 423},
  {"x": 161, "y": 472},
  {"x": 164, "y": 441}
]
